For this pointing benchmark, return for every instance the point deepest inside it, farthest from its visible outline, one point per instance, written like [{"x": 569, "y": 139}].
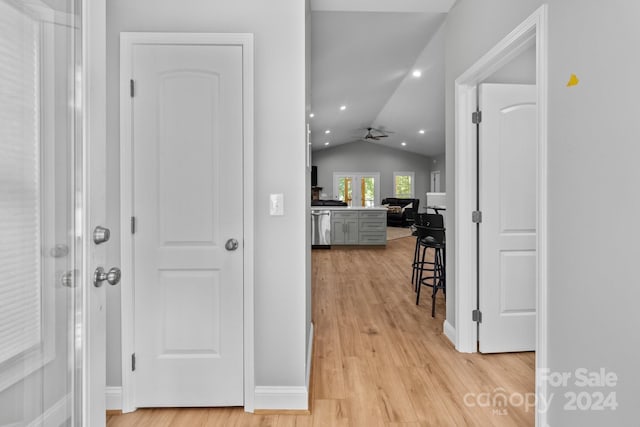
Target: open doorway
[{"x": 471, "y": 255}]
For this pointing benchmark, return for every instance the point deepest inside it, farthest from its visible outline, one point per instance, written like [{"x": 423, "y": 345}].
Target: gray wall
[
  {"x": 593, "y": 290},
  {"x": 520, "y": 70},
  {"x": 362, "y": 156},
  {"x": 280, "y": 242}
]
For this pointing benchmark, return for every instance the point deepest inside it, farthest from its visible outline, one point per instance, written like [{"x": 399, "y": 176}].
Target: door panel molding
[{"x": 127, "y": 43}]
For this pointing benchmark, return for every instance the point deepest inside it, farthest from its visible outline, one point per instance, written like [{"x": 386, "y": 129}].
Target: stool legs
[
  {"x": 437, "y": 277},
  {"x": 415, "y": 266}
]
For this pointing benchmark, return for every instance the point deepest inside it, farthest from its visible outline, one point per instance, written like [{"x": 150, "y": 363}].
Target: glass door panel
[
  {"x": 367, "y": 191},
  {"x": 345, "y": 189},
  {"x": 40, "y": 233},
  {"x": 357, "y": 189}
]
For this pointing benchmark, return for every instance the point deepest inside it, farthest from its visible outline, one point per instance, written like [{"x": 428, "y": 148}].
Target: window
[
  {"x": 27, "y": 331},
  {"x": 20, "y": 289},
  {"x": 357, "y": 188},
  {"x": 403, "y": 185}
]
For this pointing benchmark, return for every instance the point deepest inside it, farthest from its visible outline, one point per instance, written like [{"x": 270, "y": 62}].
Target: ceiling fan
[{"x": 371, "y": 137}]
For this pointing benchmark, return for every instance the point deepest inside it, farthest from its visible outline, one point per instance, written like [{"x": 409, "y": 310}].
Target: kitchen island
[{"x": 356, "y": 225}]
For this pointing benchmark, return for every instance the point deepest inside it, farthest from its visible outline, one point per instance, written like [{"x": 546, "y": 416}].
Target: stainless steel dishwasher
[{"x": 321, "y": 229}]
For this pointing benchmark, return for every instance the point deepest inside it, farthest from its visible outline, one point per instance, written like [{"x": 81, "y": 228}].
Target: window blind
[{"x": 20, "y": 254}]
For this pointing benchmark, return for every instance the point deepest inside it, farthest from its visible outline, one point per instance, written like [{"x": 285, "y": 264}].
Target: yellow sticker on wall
[{"x": 573, "y": 81}]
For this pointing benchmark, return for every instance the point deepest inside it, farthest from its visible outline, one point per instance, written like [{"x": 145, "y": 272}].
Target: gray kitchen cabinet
[
  {"x": 372, "y": 227},
  {"x": 359, "y": 227},
  {"x": 344, "y": 228}
]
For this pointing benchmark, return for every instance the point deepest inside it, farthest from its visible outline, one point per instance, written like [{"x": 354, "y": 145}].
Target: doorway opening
[{"x": 532, "y": 32}]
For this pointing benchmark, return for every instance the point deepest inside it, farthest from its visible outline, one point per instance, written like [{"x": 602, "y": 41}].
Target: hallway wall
[{"x": 280, "y": 242}]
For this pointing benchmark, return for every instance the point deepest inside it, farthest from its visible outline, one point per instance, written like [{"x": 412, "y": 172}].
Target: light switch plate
[{"x": 276, "y": 204}]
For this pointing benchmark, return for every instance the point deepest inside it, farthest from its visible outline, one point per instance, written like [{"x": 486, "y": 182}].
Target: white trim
[
  {"x": 408, "y": 6},
  {"x": 127, "y": 40},
  {"x": 449, "y": 331},
  {"x": 282, "y": 398},
  {"x": 56, "y": 414},
  {"x": 113, "y": 398},
  {"x": 413, "y": 182},
  {"x": 542, "y": 361},
  {"x": 91, "y": 94},
  {"x": 534, "y": 28},
  {"x": 309, "y": 357}
]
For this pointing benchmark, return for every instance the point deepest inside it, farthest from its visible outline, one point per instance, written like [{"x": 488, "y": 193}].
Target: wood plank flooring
[{"x": 379, "y": 359}]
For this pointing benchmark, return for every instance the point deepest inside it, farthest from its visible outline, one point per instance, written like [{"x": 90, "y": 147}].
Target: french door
[
  {"x": 360, "y": 189},
  {"x": 45, "y": 213}
]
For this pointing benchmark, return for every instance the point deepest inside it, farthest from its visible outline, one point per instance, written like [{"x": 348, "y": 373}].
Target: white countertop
[{"x": 348, "y": 208}]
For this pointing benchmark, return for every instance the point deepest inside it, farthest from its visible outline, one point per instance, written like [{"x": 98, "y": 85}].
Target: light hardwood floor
[{"x": 379, "y": 359}]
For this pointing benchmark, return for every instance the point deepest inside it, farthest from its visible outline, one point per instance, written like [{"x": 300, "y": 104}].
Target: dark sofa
[{"x": 404, "y": 216}]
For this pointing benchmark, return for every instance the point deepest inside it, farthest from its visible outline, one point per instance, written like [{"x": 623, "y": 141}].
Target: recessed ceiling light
[
  {"x": 417, "y": 73},
  {"x": 326, "y": 143},
  {"x": 343, "y": 107},
  {"x": 403, "y": 144},
  {"x": 312, "y": 115},
  {"x": 421, "y": 131},
  {"x": 327, "y": 131}
]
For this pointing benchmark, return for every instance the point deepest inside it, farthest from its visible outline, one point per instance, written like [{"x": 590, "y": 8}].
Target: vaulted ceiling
[{"x": 363, "y": 58}]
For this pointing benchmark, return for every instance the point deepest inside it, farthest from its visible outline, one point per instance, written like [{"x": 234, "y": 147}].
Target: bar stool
[{"x": 430, "y": 234}]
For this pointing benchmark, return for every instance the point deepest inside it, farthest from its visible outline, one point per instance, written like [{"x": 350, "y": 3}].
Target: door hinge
[
  {"x": 476, "y": 316},
  {"x": 476, "y": 117},
  {"x": 476, "y": 217},
  {"x": 131, "y": 88},
  {"x": 133, "y": 225},
  {"x": 133, "y": 361}
]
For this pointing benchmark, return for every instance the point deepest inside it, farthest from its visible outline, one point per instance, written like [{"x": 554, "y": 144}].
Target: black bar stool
[{"x": 430, "y": 234}]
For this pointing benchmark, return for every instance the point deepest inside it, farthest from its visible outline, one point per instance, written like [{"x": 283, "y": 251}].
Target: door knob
[
  {"x": 68, "y": 278},
  {"x": 112, "y": 276},
  {"x": 101, "y": 235},
  {"x": 231, "y": 245}
]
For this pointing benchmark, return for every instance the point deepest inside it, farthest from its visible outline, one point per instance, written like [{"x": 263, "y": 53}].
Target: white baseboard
[
  {"x": 282, "y": 398},
  {"x": 113, "y": 398},
  {"x": 309, "y": 356},
  {"x": 56, "y": 415},
  {"x": 286, "y": 398},
  {"x": 449, "y": 332}
]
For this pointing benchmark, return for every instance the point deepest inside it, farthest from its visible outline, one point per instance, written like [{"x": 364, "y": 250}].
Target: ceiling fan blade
[{"x": 383, "y": 136}]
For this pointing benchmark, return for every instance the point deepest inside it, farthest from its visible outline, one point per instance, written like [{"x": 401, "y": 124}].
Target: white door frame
[
  {"x": 127, "y": 42},
  {"x": 93, "y": 207},
  {"x": 533, "y": 29}
]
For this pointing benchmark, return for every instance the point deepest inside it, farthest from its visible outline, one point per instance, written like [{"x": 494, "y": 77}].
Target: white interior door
[
  {"x": 435, "y": 181},
  {"x": 187, "y": 125},
  {"x": 507, "y": 184}
]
